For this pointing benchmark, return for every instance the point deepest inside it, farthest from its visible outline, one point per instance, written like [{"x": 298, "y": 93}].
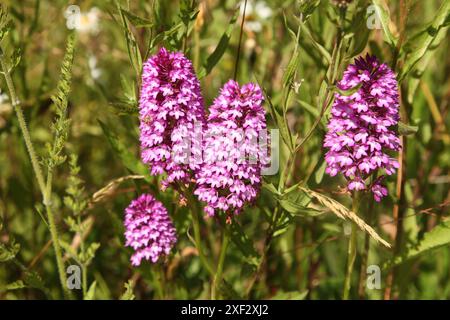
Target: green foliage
[
  {"x": 75, "y": 200},
  {"x": 292, "y": 242},
  {"x": 420, "y": 43},
  {"x": 61, "y": 124},
  {"x": 130, "y": 161},
  {"x": 136, "y": 21},
  {"x": 8, "y": 252},
  {"x": 220, "y": 49},
  {"x": 438, "y": 237},
  {"x": 382, "y": 12},
  {"x": 128, "y": 294}
]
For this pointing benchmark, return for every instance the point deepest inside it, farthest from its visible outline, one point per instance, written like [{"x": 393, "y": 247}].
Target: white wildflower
[
  {"x": 83, "y": 22},
  {"x": 3, "y": 97},
  {"x": 95, "y": 71},
  {"x": 255, "y": 14}
]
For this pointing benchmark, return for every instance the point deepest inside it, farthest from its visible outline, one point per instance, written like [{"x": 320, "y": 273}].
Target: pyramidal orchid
[
  {"x": 230, "y": 175},
  {"x": 149, "y": 229},
  {"x": 171, "y": 113},
  {"x": 360, "y": 132}
]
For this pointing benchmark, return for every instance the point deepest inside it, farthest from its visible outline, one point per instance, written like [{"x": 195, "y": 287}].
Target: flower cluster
[
  {"x": 230, "y": 174},
  {"x": 171, "y": 113},
  {"x": 360, "y": 130},
  {"x": 173, "y": 136},
  {"x": 149, "y": 230}
]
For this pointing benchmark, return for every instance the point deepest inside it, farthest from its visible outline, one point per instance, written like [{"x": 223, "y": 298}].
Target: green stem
[
  {"x": 351, "y": 253},
  {"x": 58, "y": 253},
  {"x": 84, "y": 279},
  {"x": 23, "y": 126},
  {"x": 38, "y": 172},
  {"x": 266, "y": 247},
  {"x": 365, "y": 254},
  {"x": 196, "y": 49},
  {"x": 198, "y": 236},
  {"x": 84, "y": 265},
  {"x": 236, "y": 66},
  {"x": 219, "y": 270},
  {"x": 158, "y": 279}
]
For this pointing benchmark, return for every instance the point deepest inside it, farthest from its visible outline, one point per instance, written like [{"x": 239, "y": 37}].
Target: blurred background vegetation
[{"x": 295, "y": 50}]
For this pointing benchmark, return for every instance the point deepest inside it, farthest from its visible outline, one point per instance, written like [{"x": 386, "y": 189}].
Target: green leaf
[
  {"x": 227, "y": 292},
  {"x": 128, "y": 294},
  {"x": 16, "y": 57},
  {"x": 289, "y": 74},
  {"x": 281, "y": 123},
  {"x": 9, "y": 252},
  {"x": 406, "y": 130},
  {"x": 295, "y": 201},
  {"x": 307, "y": 8},
  {"x": 270, "y": 187},
  {"x": 347, "y": 92},
  {"x": 217, "y": 54},
  {"x": 15, "y": 285},
  {"x": 382, "y": 12},
  {"x": 33, "y": 280},
  {"x": 244, "y": 244},
  {"x": 420, "y": 44},
  {"x": 61, "y": 123},
  {"x": 419, "y": 69},
  {"x": 91, "y": 292},
  {"x": 323, "y": 52},
  {"x": 319, "y": 172},
  {"x": 124, "y": 108},
  {"x": 436, "y": 238},
  {"x": 284, "y": 130},
  {"x": 291, "y": 295},
  {"x": 134, "y": 53},
  {"x": 69, "y": 250},
  {"x": 136, "y": 21},
  {"x": 86, "y": 257},
  {"x": 128, "y": 159},
  {"x": 5, "y": 29},
  {"x": 361, "y": 33},
  {"x": 282, "y": 224}
]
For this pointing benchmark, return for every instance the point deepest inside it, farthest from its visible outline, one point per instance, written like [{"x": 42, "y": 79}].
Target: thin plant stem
[
  {"x": 197, "y": 235},
  {"x": 267, "y": 242},
  {"x": 57, "y": 248},
  {"x": 84, "y": 266},
  {"x": 38, "y": 172},
  {"x": 397, "y": 213},
  {"x": 351, "y": 252},
  {"x": 84, "y": 279},
  {"x": 220, "y": 264},
  {"x": 23, "y": 127},
  {"x": 365, "y": 254},
  {"x": 158, "y": 279},
  {"x": 196, "y": 49},
  {"x": 236, "y": 66}
]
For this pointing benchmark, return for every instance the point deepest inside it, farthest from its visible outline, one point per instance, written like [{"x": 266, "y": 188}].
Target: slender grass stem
[
  {"x": 220, "y": 264},
  {"x": 351, "y": 252},
  {"x": 38, "y": 172}
]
